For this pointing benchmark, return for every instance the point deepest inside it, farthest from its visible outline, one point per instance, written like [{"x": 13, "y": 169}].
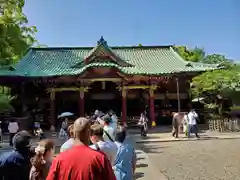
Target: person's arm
[
  {"x": 146, "y": 119},
  {"x": 53, "y": 171},
  {"x": 9, "y": 127},
  {"x": 140, "y": 121},
  {"x": 107, "y": 170},
  {"x": 173, "y": 121},
  {"x": 33, "y": 175},
  {"x": 197, "y": 117}
]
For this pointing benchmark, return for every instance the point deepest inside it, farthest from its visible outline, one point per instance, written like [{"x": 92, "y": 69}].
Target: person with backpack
[
  {"x": 108, "y": 147},
  {"x": 109, "y": 131}
]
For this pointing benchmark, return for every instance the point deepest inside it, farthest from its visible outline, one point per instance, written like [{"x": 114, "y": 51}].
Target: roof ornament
[{"x": 102, "y": 41}]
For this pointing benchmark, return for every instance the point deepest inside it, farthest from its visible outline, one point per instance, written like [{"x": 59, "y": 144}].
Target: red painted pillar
[
  {"x": 52, "y": 109},
  {"x": 152, "y": 107},
  {"x": 124, "y": 106},
  {"x": 81, "y": 103}
]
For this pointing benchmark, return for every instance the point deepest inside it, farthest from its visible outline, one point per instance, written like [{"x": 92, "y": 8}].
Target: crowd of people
[{"x": 95, "y": 150}]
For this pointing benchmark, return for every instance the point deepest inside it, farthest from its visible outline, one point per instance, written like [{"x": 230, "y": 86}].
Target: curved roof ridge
[
  {"x": 91, "y": 47},
  {"x": 178, "y": 56}
]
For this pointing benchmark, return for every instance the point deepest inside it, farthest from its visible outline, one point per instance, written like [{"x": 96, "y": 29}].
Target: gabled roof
[
  {"x": 103, "y": 53},
  {"x": 142, "y": 60}
]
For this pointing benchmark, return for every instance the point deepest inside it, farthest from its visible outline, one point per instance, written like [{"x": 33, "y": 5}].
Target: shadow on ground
[
  {"x": 138, "y": 175},
  {"x": 141, "y": 165},
  {"x": 202, "y": 138},
  {"x": 153, "y": 149},
  {"x": 140, "y": 158}
]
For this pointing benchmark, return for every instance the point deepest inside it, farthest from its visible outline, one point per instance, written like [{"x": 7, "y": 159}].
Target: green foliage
[
  {"x": 218, "y": 81},
  {"x": 4, "y": 90},
  {"x": 40, "y": 46},
  {"x": 211, "y": 105},
  {"x": 15, "y": 35},
  {"x": 5, "y": 104},
  {"x": 193, "y": 55},
  {"x": 218, "y": 59}
]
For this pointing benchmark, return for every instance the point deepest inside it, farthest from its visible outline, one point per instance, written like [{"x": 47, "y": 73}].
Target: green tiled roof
[{"x": 144, "y": 60}]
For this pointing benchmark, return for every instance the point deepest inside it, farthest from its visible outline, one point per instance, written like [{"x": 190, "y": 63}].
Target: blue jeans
[{"x": 192, "y": 129}]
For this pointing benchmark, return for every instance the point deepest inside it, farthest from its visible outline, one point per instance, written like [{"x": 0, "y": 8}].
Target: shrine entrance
[
  {"x": 103, "y": 96},
  {"x": 137, "y": 102},
  {"x": 67, "y": 101}
]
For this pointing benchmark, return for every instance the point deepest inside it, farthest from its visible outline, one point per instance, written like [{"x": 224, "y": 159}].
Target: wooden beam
[
  {"x": 153, "y": 87},
  {"x": 79, "y": 89},
  {"x": 104, "y": 79}
]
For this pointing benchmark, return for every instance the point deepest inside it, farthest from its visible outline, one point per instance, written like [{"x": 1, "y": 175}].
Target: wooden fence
[{"x": 224, "y": 125}]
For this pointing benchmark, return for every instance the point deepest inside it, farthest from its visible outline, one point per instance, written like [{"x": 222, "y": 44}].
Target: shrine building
[{"x": 126, "y": 79}]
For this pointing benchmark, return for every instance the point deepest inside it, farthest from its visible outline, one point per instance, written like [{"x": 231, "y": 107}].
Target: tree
[
  {"x": 219, "y": 81},
  {"x": 193, "y": 55},
  {"x": 216, "y": 81},
  {"x": 15, "y": 35},
  {"x": 218, "y": 59}
]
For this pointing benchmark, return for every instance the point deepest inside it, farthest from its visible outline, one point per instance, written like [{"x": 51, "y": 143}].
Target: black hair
[
  {"x": 21, "y": 141},
  {"x": 120, "y": 135}
]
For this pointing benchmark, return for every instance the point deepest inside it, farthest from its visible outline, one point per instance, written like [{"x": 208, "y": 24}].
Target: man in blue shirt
[{"x": 15, "y": 165}]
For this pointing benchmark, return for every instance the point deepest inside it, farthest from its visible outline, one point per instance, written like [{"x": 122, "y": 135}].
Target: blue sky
[{"x": 211, "y": 24}]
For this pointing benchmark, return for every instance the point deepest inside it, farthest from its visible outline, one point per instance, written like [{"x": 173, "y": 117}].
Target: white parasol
[{"x": 65, "y": 114}]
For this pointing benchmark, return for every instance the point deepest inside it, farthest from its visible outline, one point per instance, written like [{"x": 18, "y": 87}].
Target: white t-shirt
[
  {"x": 109, "y": 148},
  {"x": 13, "y": 127},
  {"x": 67, "y": 145},
  {"x": 111, "y": 131},
  {"x": 192, "y": 118}
]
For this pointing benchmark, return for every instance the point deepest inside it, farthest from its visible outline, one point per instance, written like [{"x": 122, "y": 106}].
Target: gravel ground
[{"x": 196, "y": 160}]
